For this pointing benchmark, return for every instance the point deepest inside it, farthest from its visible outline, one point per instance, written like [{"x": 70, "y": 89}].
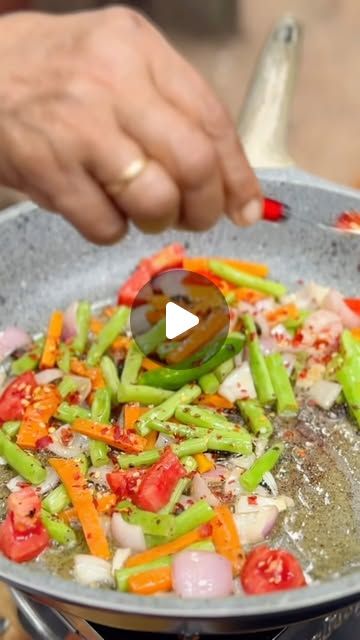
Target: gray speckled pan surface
[{"x": 46, "y": 264}]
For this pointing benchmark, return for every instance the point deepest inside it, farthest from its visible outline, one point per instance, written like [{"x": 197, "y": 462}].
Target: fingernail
[{"x": 251, "y": 213}]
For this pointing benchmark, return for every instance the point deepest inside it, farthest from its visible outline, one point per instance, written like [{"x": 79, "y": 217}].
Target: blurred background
[{"x": 222, "y": 39}]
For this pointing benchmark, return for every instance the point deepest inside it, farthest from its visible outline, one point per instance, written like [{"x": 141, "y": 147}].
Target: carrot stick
[
  {"x": 34, "y": 425},
  {"x": 226, "y": 538},
  {"x": 52, "y": 340},
  {"x": 82, "y": 500},
  {"x": 198, "y": 337},
  {"x": 96, "y": 325},
  {"x": 132, "y": 413},
  {"x": 122, "y": 342},
  {"x": 356, "y": 333},
  {"x": 105, "y": 502},
  {"x": 69, "y": 516},
  {"x": 154, "y": 315},
  {"x": 93, "y": 373},
  {"x": 117, "y": 438},
  {"x": 149, "y": 582},
  {"x": 286, "y": 312},
  {"x": 204, "y": 463},
  {"x": 151, "y": 440},
  {"x": 168, "y": 548},
  {"x": 150, "y": 365},
  {"x": 216, "y": 401},
  {"x": 202, "y": 264},
  {"x": 110, "y": 311},
  {"x": 243, "y": 294}
]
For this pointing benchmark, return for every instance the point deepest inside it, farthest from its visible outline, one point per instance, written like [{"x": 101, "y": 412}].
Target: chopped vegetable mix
[{"x": 168, "y": 476}]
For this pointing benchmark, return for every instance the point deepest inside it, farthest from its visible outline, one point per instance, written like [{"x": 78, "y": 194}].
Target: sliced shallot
[
  {"x": 51, "y": 481},
  {"x": 48, "y": 375},
  {"x": 119, "y": 559},
  {"x": 335, "y": 302},
  {"x": 127, "y": 535},
  {"x": 70, "y": 325},
  {"x": 324, "y": 393},
  {"x": 11, "y": 339},
  {"x": 253, "y": 526},
  {"x": 239, "y": 384},
  {"x": 201, "y": 574},
  {"x": 200, "y": 490},
  {"x": 67, "y": 444},
  {"x": 90, "y": 570}
]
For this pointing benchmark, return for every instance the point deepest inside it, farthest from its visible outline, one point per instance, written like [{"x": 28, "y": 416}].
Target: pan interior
[{"x": 45, "y": 264}]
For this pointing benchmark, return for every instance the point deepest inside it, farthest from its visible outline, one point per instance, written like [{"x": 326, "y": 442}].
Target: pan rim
[{"x": 332, "y": 592}]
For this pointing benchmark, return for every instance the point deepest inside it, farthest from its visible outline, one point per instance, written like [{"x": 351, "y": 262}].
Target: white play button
[{"x": 178, "y": 320}]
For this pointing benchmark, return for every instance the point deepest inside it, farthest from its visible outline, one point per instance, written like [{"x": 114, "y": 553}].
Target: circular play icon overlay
[{"x": 179, "y": 319}]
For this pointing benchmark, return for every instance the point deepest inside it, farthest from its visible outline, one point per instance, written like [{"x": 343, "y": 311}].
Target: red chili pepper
[
  {"x": 43, "y": 443},
  {"x": 168, "y": 258},
  {"x": 349, "y": 221},
  {"x": 354, "y": 304},
  {"x": 275, "y": 211}
]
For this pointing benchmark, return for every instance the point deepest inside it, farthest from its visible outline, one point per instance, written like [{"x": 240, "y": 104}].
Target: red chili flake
[
  {"x": 66, "y": 437},
  {"x": 252, "y": 499},
  {"x": 74, "y": 398},
  {"x": 303, "y": 374},
  {"x": 118, "y": 432},
  {"x": 77, "y": 476},
  {"x": 349, "y": 221},
  {"x": 105, "y": 431},
  {"x": 205, "y": 530},
  {"x": 43, "y": 443},
  {"x": 298, "y": 338}
]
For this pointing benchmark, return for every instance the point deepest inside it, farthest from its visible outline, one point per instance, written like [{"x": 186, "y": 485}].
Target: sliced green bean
[
  {"x": 286, "y": 403},
  {"x": 63, "y": 360},
  {"x": 100, "y": 412},
  {"x": 209, "y": 383},
  {"x": 223, "y": 370},
  {"x": 243, "y": 279},
  {"x": 122, "y": 575},
  {"x": 23, "y": 463},
  {"x": 11, "y": 428},
  {"x": 142, "y": 394},
  {"x": 180, "y": 488},
  {"x": 111, "y": 377},
  {"x": 152, "y": 339},
  {"x": 57, "y": 500},
  {"x": 259, "y": 370},
  {"x": 252, "y": 477},
  {"x": 253, "y": 413},
  {"x": 107, "y": 335},
  {"x": 83, "y": 317},
  {"x": 166, "y": 409},
  {"x": 144, "y": 459},
  {"x": 70, "y": 412},
  {"x": 58, "y": 530},
  {"x": 132, "y": 365},
  {"x": 349, "y": 378},
  {"x": 154, "y": 524},
  {"x": 67, "y": 386},
  {"x": 189, "y": 463},
  {"x": 193, "y": 517}
]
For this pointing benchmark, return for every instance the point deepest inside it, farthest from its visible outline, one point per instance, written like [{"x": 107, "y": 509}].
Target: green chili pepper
[{"x": 167, "y": 378}]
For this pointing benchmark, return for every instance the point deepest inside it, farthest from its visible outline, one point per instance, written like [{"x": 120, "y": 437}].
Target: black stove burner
[
  {"x": 43, "y": 623},
  {"x": 341, "y": 625}
]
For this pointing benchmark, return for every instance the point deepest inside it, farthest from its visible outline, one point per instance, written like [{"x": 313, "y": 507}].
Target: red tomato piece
[
  {"x": 125, "y": 484},
  {"x": 24, "y": 507},
  {"x": 159, "y": 482},
  {"x": 354, "y": 304},
  {"x": 267, "y": 570},
  {"x": 14, "y": 398},
  {"x": 22, "y": 547},
  {"x": 168, "y": 258}
]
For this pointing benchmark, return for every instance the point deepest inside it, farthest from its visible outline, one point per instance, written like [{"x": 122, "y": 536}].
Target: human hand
[{"x": 103, "y": 121}]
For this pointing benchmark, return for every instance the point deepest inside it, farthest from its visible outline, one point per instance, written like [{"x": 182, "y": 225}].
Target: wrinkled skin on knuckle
[{"x": 199, "y": 162}]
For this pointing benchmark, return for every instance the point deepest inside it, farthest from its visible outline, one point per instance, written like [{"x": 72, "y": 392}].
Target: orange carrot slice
[
  {"x": 226, "y": 538},
  {"x": 132, "y": 413},
  {"x": 216, "y": 401},
  {"x": 115, "y": 437},
  {"x": 52, "y": 340},
  {"x": 149, "y": 365},
  {"x": 93, "y": 373},
  {"x": 69, "y": 516},
  {"x": 204, "y": 463},
  {"x": 243, "y": 294},
  {"x": 286, "y": 312},
  {"x": 202, "y": 264},
  {"x": 122, "y": 342},
  {"x": 356, "y": 333},
  {"x": 198, "y": 337},
  {"x": 81, "y": 497},
  {"x": 149, "y": 582},
  {"x": 105, "y": 502},
  {"x": 169, "y": 547},
  {"x": 34, "y": 425}
]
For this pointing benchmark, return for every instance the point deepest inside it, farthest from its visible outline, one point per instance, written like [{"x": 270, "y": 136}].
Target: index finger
[{"x": 180, "y": 84}]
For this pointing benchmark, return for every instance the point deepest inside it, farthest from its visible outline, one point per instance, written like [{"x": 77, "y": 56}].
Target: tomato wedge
[
  {"x": 24, "y": 506},
  {"x": 168, "y": 258},
  {"x": 125, "y": 484},
  {"x": 22, "y": 547},
  {"x": 15, "y": 396},
  {"x": 159, "y": 482},
  {"x": 267, "y": 570}
]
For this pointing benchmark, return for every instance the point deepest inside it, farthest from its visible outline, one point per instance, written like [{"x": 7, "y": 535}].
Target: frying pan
[{"x": 46, "y": 264}]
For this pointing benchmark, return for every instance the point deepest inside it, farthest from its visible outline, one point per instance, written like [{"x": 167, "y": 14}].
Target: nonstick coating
[{"x": 46, "y": 264}]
